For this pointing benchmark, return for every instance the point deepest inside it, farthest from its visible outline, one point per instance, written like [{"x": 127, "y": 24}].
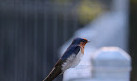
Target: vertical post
[{"x": 111, "y": 64}]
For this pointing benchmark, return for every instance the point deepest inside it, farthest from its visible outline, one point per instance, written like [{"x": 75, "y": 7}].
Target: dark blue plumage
[
  {"x": 77, "y": 41},
  {"x": 73, "y": 49}
]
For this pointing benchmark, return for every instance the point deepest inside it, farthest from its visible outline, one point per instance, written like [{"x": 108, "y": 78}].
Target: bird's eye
[{"x": 83, "y": 41}]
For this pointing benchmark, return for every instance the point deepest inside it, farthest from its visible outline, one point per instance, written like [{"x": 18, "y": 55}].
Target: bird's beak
[{"x": 88, "y": 40}]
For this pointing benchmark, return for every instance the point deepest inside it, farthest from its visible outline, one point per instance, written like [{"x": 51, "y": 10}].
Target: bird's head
[{"x": 80, "y": 41}]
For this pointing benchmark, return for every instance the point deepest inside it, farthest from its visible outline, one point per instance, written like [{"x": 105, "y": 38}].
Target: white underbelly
[{"x": 72, "y": 61}]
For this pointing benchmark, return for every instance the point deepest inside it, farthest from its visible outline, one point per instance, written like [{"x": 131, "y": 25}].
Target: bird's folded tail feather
[{"x": 53, "y": 74}]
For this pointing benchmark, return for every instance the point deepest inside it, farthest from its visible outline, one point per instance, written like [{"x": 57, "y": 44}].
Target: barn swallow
[{"x": 70, "y": 58}]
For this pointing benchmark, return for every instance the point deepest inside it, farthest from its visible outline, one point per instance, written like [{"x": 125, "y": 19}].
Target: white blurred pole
[{"x": 111, "y": 64}]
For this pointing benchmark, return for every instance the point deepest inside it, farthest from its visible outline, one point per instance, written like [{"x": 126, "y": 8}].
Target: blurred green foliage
[
  {"x": 88, "y": 10},
  {"x": 133, "y": 38},
  {"x": 134, "y": 1},
  {"x": 84, "y": 10}
]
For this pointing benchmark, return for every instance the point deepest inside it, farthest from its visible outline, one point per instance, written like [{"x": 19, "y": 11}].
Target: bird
[{"x": 70, "y": 58}]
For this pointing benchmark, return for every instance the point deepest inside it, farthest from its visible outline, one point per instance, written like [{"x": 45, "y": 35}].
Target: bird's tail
[{"x": 53, "y": 74}]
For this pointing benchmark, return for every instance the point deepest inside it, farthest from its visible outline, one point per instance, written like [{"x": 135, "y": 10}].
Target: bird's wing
[
  {"x": 71, "y": 50},
  {"x": 55, "y": 71},
  {"x": 57, "y": 68},
  {"x": 53, "y": 74}
]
